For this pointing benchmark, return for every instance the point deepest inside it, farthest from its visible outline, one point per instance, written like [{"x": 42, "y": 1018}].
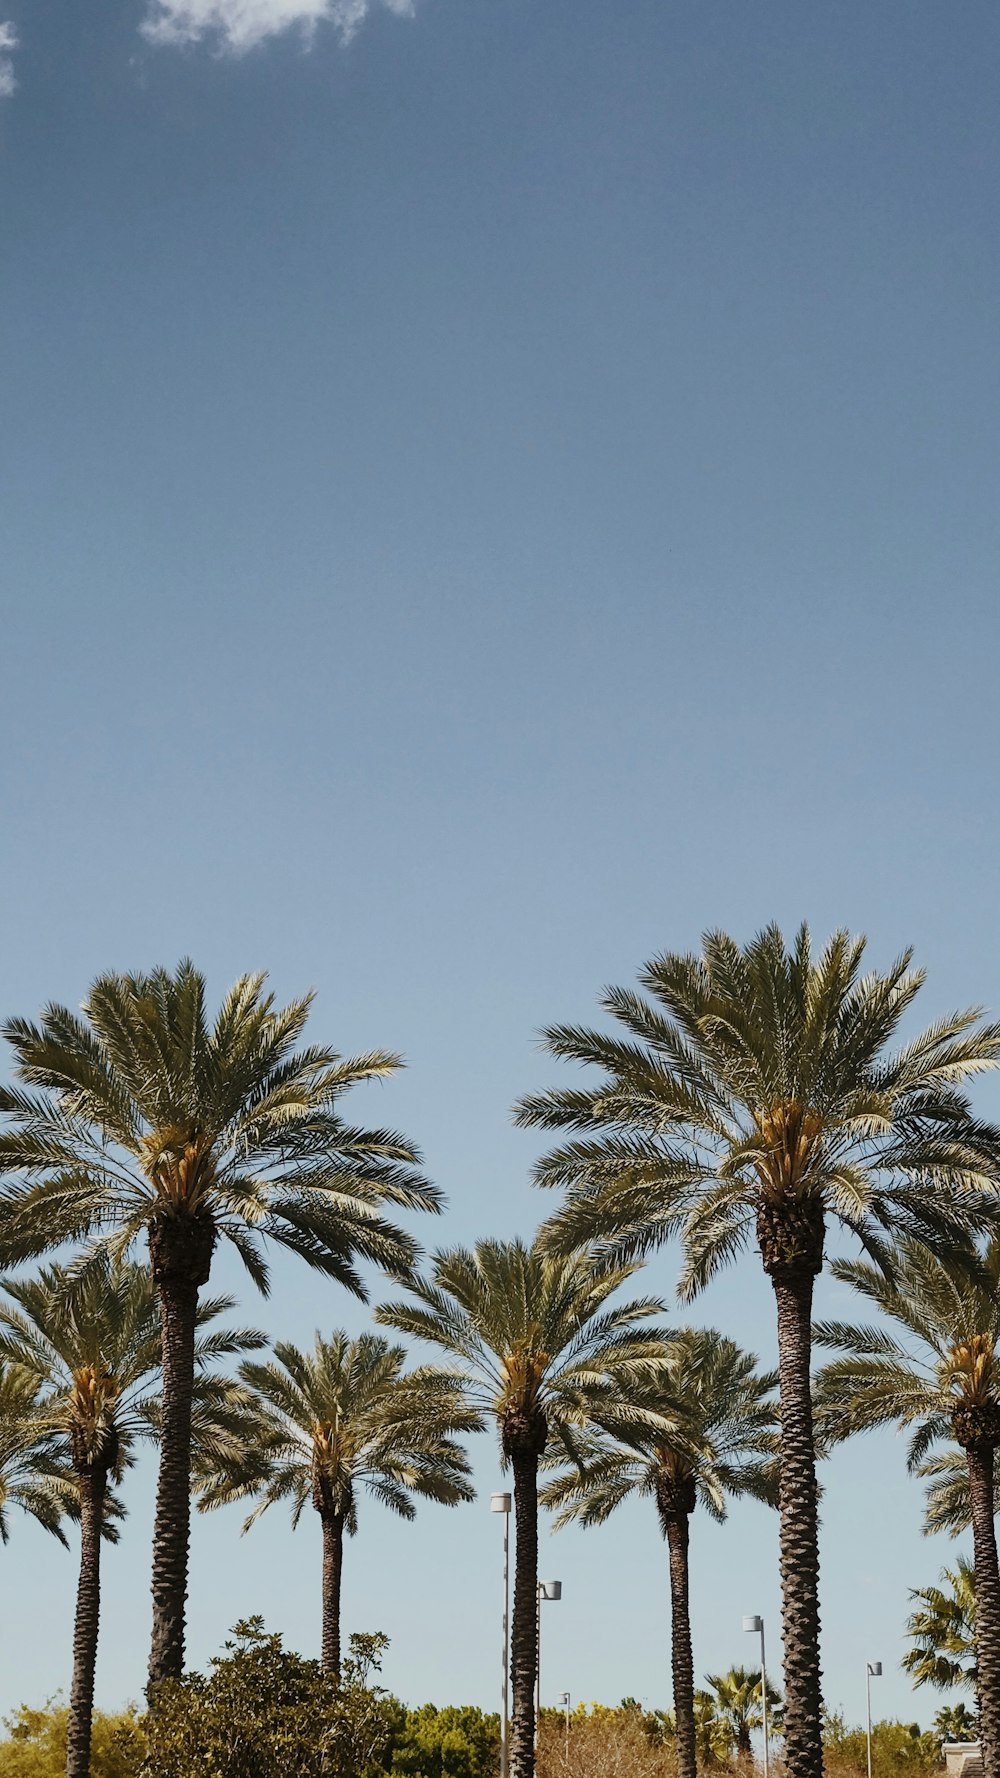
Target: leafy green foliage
[
  {"x": 531, "y": 1331},
  {"x": 145, "y": 1109},
  {"x": 454, "y": 1742},
  {"x": 898, "y": 1748},
  {"x": 35, "y": 1744},
  {"x": 321, "y": 1425},
  {"x": 702, "y": 1414},
  {"x": 264, "y": 1712},
  {"x": 943, "y": 1630},
  {"x": 757, "y": 1077}
]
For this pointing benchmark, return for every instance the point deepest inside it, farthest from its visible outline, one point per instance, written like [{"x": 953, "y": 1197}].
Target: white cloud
[
  {"x": 8, "y": 43},
  {"x": 239, "y": 25}
]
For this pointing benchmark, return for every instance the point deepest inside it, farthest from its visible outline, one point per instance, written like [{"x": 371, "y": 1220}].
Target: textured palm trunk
[
  {"x": 181, "y": 1254},
  {"x": 981, "y": 1461},
  {"x": 799, "y": 1541},
  {"x": 93, "y": 1486},
  {"x": 682, "y": 1660},
  {"x": 333, "y": 1563},
  {"x": 523, "y": 1641}
]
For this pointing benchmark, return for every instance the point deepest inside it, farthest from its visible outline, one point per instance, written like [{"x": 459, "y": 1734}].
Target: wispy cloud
[
  {"x": 8, "y": 44},
  {"x": 238, "y": 25}
]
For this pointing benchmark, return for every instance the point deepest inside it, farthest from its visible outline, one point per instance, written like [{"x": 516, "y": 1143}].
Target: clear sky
[{"x": 487, "y": 494}]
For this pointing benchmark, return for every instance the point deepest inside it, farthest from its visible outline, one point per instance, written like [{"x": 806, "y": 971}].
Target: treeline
[{"x": 746, "y": 1097}]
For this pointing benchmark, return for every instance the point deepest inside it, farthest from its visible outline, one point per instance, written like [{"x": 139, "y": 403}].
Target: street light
[
  {"x": 755, "y": 1626},
  {"x": 547, "y": 1589},
  {"x": 873, "y": 1670},
  {"x": 564, "y": 1700},
  {"x": 500, "y": 1503}
]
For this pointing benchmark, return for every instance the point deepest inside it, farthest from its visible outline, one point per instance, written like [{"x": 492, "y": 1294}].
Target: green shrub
[
  {"x": 35, "y": 1744},
  {"x": 457, "y": 1741}
]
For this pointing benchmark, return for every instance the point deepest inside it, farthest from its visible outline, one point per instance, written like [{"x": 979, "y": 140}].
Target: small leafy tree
[{"x": 264, "y": 1712}]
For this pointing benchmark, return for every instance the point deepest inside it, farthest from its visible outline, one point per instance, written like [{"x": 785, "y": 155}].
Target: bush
[
  {"x": 263, "y": 1712},
  {"x": 457, "y": 1741},
  {"x": 35, "y": 1746},
  {"x": 898, "y": 1749}
]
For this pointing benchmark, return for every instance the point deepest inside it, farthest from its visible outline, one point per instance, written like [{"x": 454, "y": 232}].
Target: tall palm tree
[
  {"x": 328, "y": 1423},
  {"x": 91, "y": 1341},
  {"x": 734, "y": 1699},
  {"x": 752, "y": 1094},
  {"x": 145, "y": 1118},
  {"x": 940, "y": 1376},
  {"x": 699, "y": 1425},
  {"x": 32, "y": 1476},
  {"x": 942, "y": 1630},
  {"x": 536, "y": 1341}
]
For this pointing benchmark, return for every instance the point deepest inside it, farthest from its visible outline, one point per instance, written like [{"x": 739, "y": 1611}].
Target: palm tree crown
[
  {"x": 942, "y": 1630},
  {"x": 142, "y": 1114},
  {"x": 534, "y": 1340},
  {"x": 343, "y": 1417},
  {"x": 91, "y": 1339},
  {"x": 754, "y": 1092},
  {"x": 940, "y": 1374},
  {"x": 698, "y": 1425}
]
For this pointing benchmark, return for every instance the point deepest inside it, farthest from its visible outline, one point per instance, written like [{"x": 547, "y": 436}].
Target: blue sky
[{"x": 486, "y": 496}]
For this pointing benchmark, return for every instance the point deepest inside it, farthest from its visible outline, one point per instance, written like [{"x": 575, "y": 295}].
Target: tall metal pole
[
  {"x": 755, "y": 1626},
  {"x": 873, "y": 1670},
  {"x": 763, "y": 1697},
  {"x": 501, "y": 1503}
]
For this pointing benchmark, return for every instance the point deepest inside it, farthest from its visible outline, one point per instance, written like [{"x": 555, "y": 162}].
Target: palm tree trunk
[
  {"x": 799, "y": 1542},
  {"x": 93, "y": 1485},
  {"x": 523, "y": 1640},
  {"x": 333, "y": 1563},
  {"x": 180, "y": 1249},
  {"x": 682, "y": 1660},
  {"x": 981, "y": 1460}
]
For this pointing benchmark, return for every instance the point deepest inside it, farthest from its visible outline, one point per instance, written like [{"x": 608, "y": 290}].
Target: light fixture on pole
[
  {"x": 873, "y": 1670},
  {"x": 755, "y": 1626},
  {"x": 564, "y": 1700},
  {"x": 547, "y": 1589},
  {"x": 500, "y": 1503}
]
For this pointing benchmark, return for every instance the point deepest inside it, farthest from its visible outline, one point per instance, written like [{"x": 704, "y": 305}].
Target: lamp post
[
  {"x": 564, "y": 1700},
  {"x": 873, "y": 1670},
  {"x": 755, "y": 1626},
  {"x": 500, "y": 1503},
  {"x": 547, "y": 1589}
]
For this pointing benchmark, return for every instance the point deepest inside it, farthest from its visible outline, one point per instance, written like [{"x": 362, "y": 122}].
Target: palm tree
[
  {"x": 941, "y": 1376},
  {"x": 328, "y": 1423},
  {"x": 955, "y": 1722},
  {"x": 753, "y": 1094},
  {"x": 143, "y": 1118},
  {"x": 536, "y": 1343},
  {"x": 91, "y": 1341},
  {"x": 734, "y": 1699},
  {"x": 943, "y": 1630},
  {"x": 32, "y": 1477},
  {"x": 698, "y": 1425}
]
